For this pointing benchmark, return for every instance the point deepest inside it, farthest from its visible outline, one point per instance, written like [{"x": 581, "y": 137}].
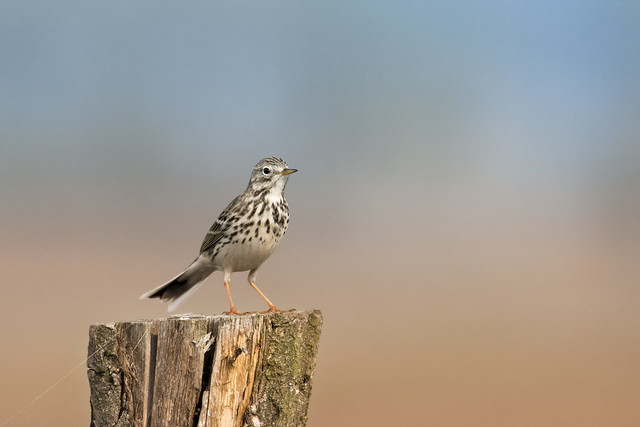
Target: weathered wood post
[{"x": 190, "y": 370}]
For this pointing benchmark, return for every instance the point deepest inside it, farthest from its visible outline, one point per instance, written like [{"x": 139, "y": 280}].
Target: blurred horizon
[{"x": 466, "y": 212}]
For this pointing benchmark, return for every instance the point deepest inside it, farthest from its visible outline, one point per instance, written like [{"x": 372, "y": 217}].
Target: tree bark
[{"x": 189, "y": 370}]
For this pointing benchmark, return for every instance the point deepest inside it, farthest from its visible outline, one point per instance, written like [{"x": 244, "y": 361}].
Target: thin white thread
[
  {"x": 14, "y": 416},
  {"x": 139, "y": 341}
]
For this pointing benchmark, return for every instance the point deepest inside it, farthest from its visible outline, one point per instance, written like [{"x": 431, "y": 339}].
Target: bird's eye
[{"x": 266, "y": 171}]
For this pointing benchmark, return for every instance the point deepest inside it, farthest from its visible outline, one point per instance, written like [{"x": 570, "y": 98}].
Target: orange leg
[
  {"x": 272, "y": 308},
  {"x": 232, "y": 308}
]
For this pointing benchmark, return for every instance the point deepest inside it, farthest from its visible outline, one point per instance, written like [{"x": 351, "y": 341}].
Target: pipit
[{"x": 245, "y": 234}]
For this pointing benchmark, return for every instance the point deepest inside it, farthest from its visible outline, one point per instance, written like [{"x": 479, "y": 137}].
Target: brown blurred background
[{"x": 466, "y": 215}]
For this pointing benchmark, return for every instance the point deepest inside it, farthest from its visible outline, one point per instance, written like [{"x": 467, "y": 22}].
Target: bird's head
[{"x": 270, "y": 174}]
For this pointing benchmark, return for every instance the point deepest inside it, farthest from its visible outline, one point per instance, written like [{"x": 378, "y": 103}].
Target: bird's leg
[
  {"x": 272, "y": 308},
  {"x": 232, "y": 308},
  {"x": 264, "y": 297}
]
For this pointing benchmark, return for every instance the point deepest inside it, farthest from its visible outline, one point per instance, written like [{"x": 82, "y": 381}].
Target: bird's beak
[{"x": 288, "y": 171}]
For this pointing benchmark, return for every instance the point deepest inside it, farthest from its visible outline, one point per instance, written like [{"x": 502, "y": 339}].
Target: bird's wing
[
  {"x": 213, "y": 236},
  {"x": 219, "y": 228}
]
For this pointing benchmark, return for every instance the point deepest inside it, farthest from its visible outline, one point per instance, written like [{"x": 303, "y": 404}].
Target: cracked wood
[{"x": 204, "y": 371}]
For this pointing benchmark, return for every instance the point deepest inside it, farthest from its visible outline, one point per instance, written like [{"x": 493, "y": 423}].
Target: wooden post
[{"x": 190, "y": 370}]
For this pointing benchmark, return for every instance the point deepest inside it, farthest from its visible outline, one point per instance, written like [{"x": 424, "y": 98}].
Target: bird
[{"x": 243, "y": 236}]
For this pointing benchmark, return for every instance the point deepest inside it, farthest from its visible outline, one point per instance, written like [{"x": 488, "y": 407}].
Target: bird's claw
[{"x": 274, "y": 309}]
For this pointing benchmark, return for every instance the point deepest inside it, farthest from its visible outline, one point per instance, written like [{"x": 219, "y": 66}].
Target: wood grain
[{"x": 251, "y": 370}]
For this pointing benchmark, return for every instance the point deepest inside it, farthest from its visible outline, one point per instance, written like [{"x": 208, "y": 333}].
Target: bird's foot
[
  {"x": 233, "y": 311},
  {"x": 274, "y": 309}
]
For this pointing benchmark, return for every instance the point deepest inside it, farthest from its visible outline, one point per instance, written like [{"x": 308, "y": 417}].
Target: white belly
[{"x": 247, "y": 256}]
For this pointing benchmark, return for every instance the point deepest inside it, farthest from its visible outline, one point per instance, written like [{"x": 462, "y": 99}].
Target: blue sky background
[{"x": 468, "y": 190}]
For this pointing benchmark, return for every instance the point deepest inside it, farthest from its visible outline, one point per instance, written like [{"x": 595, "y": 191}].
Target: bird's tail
[{"x": 183, "y": 285}]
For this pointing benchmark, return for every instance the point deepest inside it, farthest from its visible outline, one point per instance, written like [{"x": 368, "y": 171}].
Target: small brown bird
[{"x": 245, "y": 234}]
